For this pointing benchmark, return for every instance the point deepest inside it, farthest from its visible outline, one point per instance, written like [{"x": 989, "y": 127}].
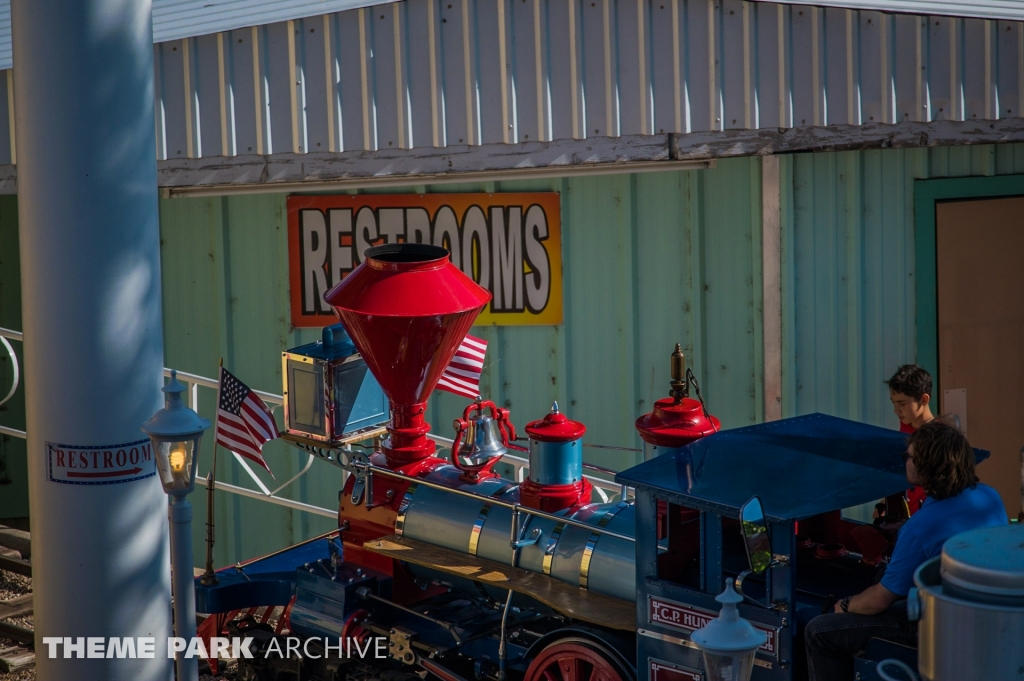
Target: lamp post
[
  {"x": 176, "y": 431},
  {"x": 729, "y": 642}
]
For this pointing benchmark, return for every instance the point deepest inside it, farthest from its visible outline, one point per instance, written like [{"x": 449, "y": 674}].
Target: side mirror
[{"x": 756, "y": 537}]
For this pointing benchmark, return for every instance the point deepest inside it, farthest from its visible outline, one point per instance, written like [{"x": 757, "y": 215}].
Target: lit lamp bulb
[{"x": 177, "y": 458}]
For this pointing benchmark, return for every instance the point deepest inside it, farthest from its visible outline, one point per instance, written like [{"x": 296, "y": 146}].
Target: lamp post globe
[
  {"x": 729, "y": 642},
  {"x": 176, "y": 432}
]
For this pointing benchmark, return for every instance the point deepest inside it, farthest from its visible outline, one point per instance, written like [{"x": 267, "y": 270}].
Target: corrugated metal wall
[
  {"x": 649, "y": 260},
  {"x": 433, "y": 73},
  {"x": 177, "y": 19},
  {"x": 848, "y": 270},
  {"x": 451, "y": 73}
]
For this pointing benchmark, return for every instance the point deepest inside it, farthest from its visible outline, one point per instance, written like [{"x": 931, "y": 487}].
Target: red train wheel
[{"x": 575, "y": 660}]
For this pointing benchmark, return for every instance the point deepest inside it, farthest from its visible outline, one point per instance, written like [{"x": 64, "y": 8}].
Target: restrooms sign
[{"x": 511, "y": 244}]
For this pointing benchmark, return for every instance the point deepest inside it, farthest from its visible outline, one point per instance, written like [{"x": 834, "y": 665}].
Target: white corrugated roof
[
  {"x": 174, "y": 19},
  {"x": 982, "y": 9}
]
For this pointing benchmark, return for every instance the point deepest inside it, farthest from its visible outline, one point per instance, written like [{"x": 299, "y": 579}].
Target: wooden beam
[
  {"x": 285, "y": 172},
  {"x": 16, "y": 566},
  {"x": 771, "y": 275},
  {"x": 13, "y": 659},
  {"x": 16, "y": 607}
]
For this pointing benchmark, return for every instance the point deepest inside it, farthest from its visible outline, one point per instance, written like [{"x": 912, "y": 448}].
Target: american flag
[
  {"x": 462, "y": 376},
  {"x": 244, "y": 422}
]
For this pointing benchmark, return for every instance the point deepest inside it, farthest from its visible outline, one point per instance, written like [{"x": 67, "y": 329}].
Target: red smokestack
[{"x": 407, "y": 309}]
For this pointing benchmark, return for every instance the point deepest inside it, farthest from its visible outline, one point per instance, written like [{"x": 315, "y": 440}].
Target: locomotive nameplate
[
  {"x": 689, "y": 618},
  {"x": 666, "y": 671}
]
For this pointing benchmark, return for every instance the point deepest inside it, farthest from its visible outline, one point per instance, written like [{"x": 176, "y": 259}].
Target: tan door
[{"x": 980, "y": 248}]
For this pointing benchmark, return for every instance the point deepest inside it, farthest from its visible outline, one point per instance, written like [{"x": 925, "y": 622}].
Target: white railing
[
  {"x": 606, "y": 489},
  {"x": 17, "y": 336}
]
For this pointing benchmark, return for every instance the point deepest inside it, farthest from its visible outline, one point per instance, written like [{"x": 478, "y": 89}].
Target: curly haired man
[{"x": 939, "y": 459}]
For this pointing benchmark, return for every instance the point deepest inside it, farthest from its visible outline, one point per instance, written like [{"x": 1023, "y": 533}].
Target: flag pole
[{"x": 209, "y": 576}]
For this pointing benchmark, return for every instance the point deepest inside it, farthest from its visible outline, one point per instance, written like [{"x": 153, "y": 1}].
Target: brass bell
[{"x": 482, "y": 442}]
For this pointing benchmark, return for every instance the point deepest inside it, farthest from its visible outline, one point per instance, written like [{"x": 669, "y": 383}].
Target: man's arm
[{"x": 873, "y": 600}]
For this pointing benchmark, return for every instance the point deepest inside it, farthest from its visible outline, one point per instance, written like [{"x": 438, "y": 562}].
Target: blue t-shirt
[{"x": 927, "y": 530}]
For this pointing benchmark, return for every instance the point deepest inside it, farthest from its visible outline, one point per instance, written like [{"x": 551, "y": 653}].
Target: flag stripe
[
  {"x": 462, "y": 383},
  {"x": 466, "y": 373},
  {"x": 257, "y": 422},
  {"x": 474, "y": 364},
  {"x": 243, "y": 448},
  {"x": 235, "y": 428},
  {"x": 471, "y": 342},
  {"x": 445, "y": 385}
]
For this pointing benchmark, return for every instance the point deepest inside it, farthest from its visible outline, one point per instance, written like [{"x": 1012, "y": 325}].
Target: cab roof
[{"x": 800, "y": 467}]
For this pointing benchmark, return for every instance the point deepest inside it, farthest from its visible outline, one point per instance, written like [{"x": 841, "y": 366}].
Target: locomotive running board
[{"x": 567, "y": 598}]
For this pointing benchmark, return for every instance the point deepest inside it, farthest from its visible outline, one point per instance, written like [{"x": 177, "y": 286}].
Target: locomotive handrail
[
  {"x": 605, "y": 488},
  {"x": 371, "y": 470}
]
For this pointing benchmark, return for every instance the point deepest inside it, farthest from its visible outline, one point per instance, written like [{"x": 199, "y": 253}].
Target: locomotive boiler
[{"x": 461, "y": 573}]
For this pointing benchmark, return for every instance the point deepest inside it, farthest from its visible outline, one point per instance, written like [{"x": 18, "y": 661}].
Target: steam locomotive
[{"x": 458, "y": 573}]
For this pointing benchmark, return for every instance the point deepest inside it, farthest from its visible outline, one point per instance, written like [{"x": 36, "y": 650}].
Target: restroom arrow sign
[{"x": 100, "y": 464}]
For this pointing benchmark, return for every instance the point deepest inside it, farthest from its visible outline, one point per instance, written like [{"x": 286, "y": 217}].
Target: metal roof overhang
[
  {"x": 419, "y": 91},
  {"x": 981, "y": 9},
  {"x": 177, "y": 19}
]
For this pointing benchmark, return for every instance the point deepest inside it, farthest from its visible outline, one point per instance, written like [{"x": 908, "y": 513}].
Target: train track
[{"x": 19, "y": 656}]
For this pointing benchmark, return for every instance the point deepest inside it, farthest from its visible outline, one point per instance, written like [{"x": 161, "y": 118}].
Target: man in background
[{"x": 910, "y": 390}]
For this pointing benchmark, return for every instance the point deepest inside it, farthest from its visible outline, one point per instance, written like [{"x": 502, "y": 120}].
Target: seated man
[{"x": 940, "y": 459}]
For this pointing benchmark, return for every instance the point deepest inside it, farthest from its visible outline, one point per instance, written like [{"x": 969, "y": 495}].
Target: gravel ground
[{"x": 12, "y": 585}]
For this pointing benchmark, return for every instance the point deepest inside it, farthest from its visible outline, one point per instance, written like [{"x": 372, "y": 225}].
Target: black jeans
[{"x": 833, "y": 639}]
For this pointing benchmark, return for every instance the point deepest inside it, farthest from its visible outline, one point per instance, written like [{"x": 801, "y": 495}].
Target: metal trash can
[{"x": 969, "y": 603}]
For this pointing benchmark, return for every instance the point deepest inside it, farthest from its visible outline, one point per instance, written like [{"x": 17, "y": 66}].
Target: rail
[{"x": 606, "y": 489}]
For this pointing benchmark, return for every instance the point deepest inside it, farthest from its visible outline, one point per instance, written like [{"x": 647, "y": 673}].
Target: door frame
[{"x": 927, "y": 193}]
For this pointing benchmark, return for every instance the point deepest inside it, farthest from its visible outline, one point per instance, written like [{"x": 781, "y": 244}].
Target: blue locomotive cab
[{"x": 802, "y": 553}]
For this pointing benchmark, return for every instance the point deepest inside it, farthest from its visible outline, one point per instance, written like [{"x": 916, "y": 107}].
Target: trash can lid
[{"x": 987, "y": 561}]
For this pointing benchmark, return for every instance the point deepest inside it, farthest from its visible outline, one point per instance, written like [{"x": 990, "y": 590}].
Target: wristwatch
[{"x": 845, "y": 604}]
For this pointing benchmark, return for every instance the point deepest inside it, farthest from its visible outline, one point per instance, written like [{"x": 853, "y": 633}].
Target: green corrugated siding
[
  {"x": 848, "y": 270},
  {"x": 635, "y": 251},
  {"x": 649, "y": 260}
]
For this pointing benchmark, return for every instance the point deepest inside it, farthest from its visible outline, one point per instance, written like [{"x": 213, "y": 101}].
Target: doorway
[{"x": 979, "y": 248}]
